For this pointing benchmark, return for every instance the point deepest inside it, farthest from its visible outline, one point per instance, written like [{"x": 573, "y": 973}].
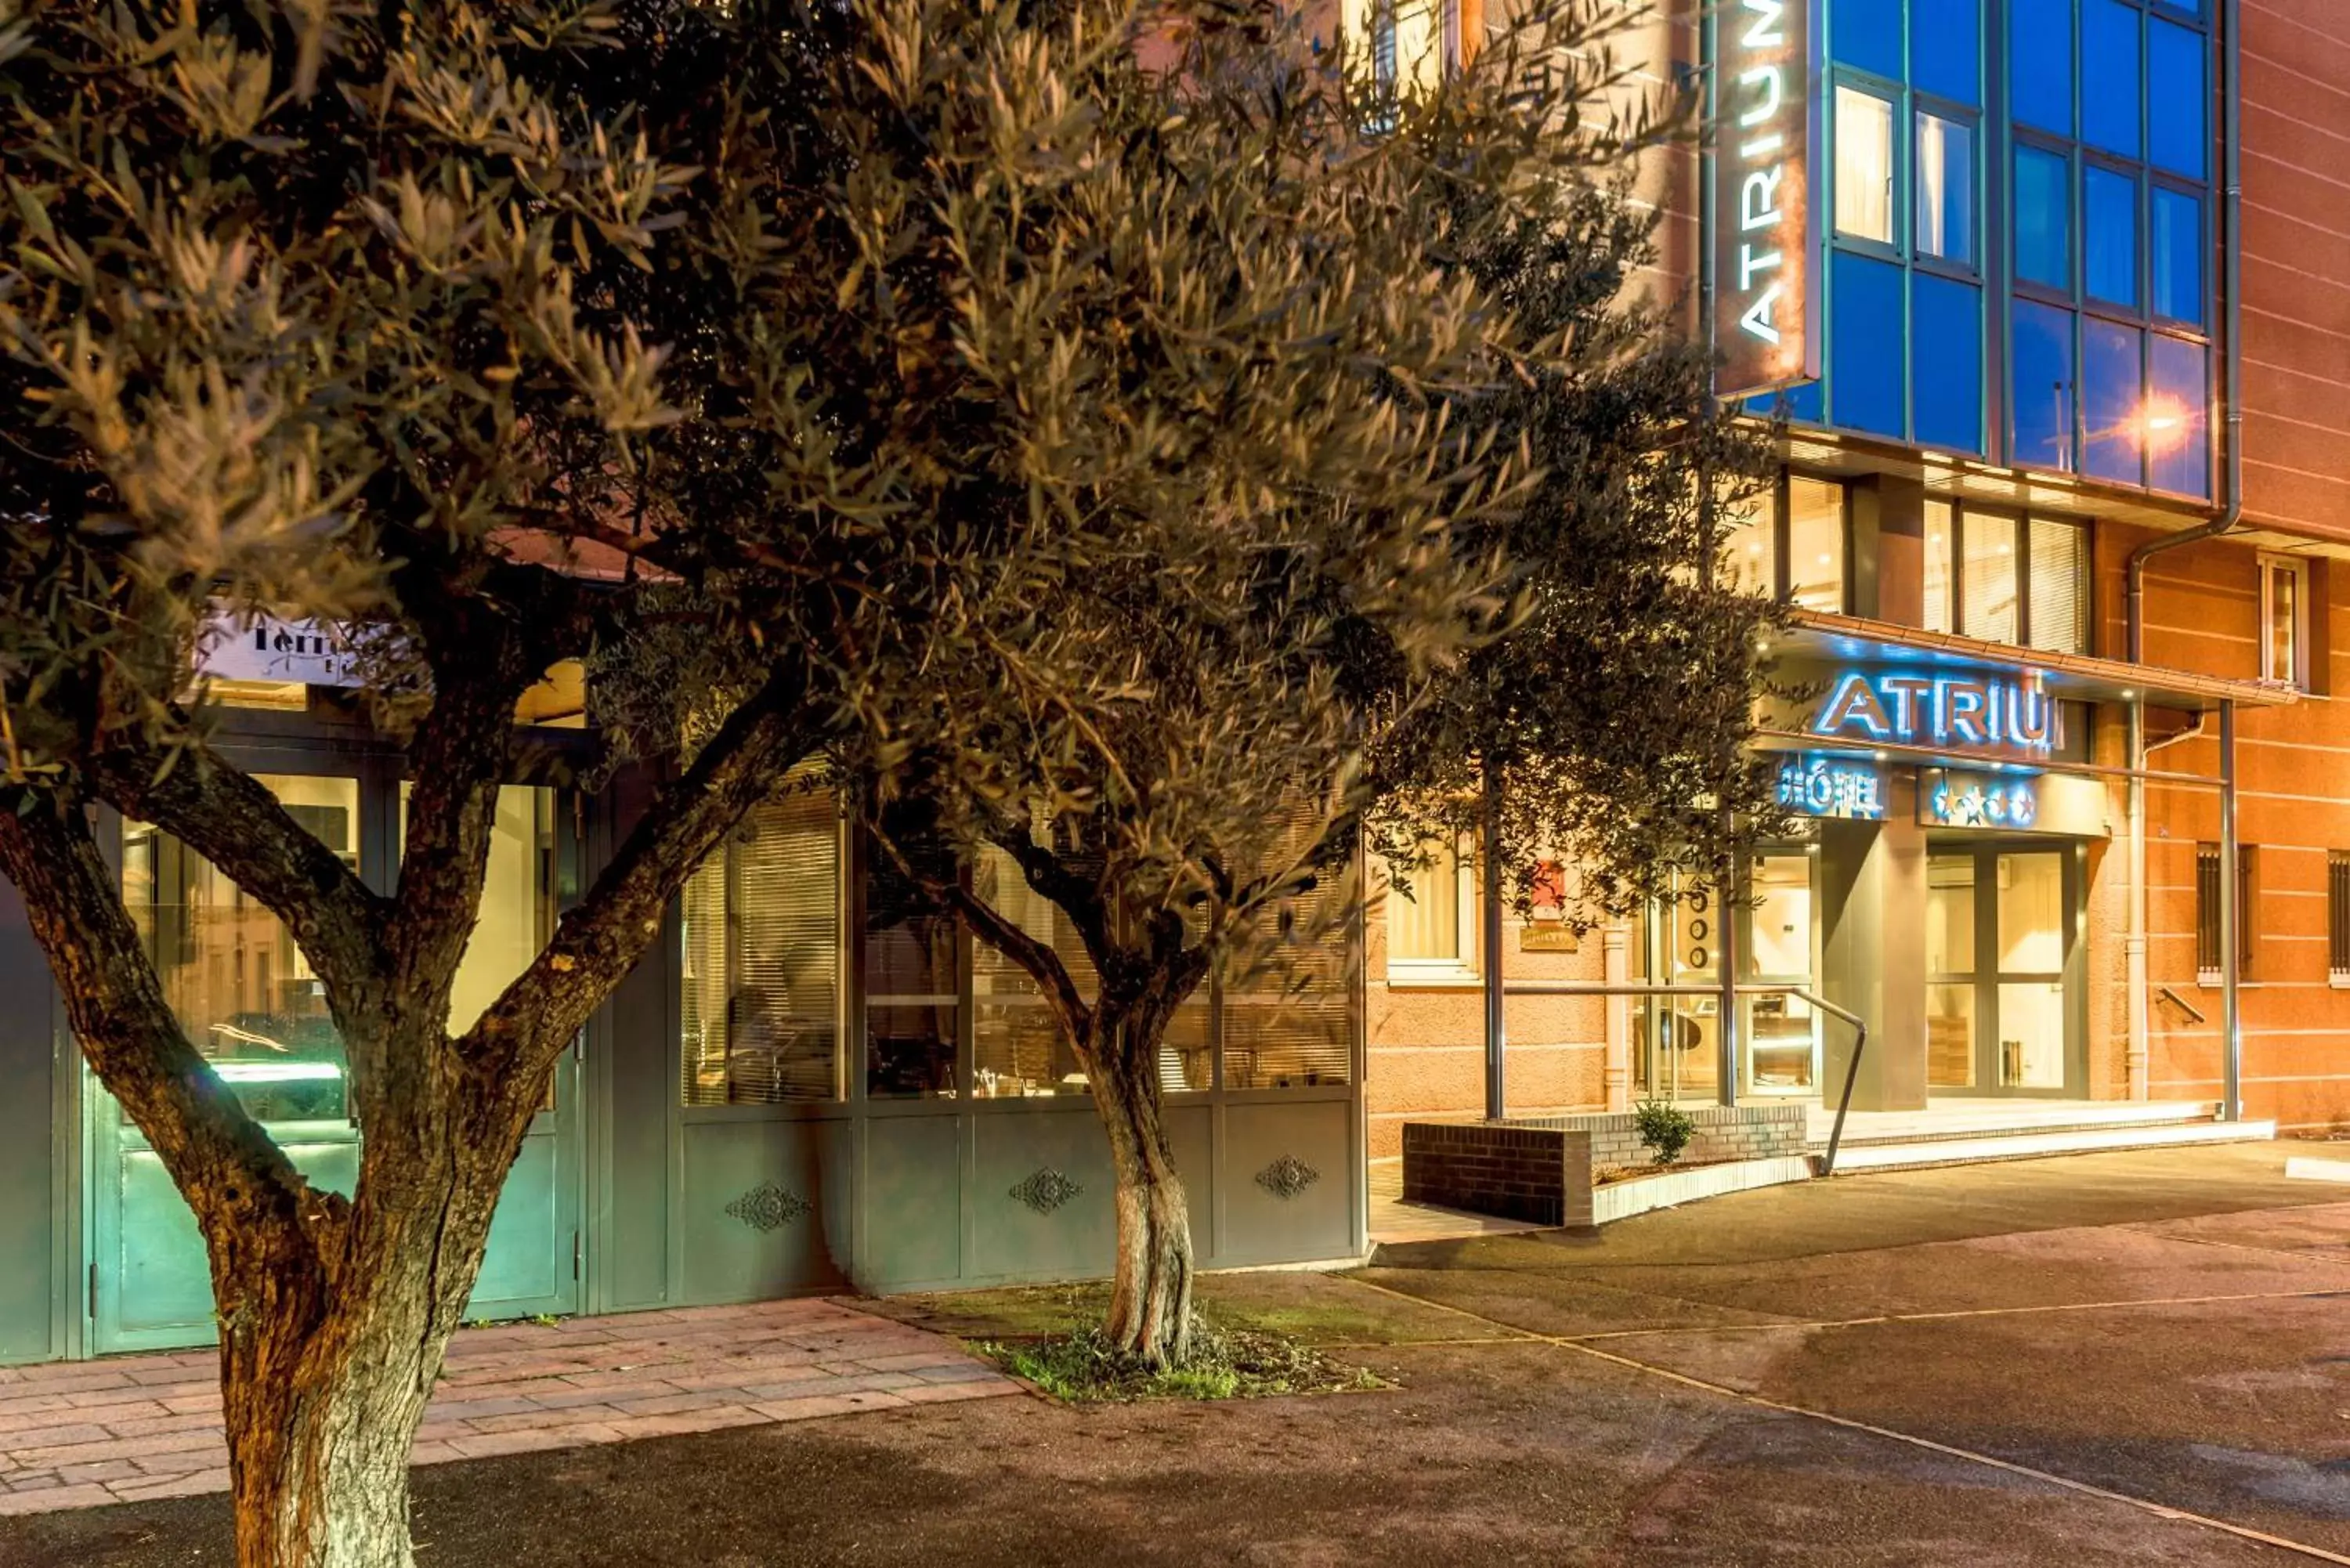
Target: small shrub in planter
[{"x": 1664, "y": 1129}]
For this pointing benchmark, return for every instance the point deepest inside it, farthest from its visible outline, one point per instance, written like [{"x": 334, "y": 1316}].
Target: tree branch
[
  {"x": 114, "y": 1000},
  {"x": 601, "y": 937},
  {"x": 999, "y": 931},
  {"x": 233, "y": 821}
]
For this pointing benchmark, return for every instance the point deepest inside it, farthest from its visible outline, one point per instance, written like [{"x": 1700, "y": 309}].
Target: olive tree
[{"x": 825, "y": 365}]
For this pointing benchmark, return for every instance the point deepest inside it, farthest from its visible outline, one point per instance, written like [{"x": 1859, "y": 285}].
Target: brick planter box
[{"x": 1539, "y": 1170}]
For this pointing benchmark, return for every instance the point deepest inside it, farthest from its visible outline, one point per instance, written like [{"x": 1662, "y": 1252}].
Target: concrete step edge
[
  {"x": 1852, "y": 1158},
  {"x": 1904, "y": 1139}
]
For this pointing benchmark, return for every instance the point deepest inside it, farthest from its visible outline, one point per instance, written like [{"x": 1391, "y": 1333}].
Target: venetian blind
[
  {"x": 1017, "y": 1045},
  {"x": 2059, "y": 586},
  {"x": 761, "y": 1009},
  {"x": 1289, "y": 1016}
]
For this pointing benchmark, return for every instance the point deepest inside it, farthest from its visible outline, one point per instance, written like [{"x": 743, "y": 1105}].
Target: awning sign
[
  {"x": 1833, "y": 787},
  {"x": 2003, "y": 715}
]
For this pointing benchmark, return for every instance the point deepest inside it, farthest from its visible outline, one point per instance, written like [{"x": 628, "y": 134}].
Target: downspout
[{"x": 2230, "y": 516}]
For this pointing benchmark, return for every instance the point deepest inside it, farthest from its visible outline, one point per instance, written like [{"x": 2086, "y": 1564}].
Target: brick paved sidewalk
[{"x": 76, "y": 1434}]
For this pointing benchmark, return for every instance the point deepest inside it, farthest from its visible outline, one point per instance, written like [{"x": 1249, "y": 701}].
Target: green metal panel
[
  {"x": 757, "y": 1216},
  {"x": 30, "y": 1229},
  {"x": 1041, "y": 1198},
  {"x": 911, "y": 1183},
  {"x": 1288, "y": 1187}
]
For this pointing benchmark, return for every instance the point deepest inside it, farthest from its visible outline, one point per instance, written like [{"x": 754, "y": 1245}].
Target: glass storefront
[{"x": 2000, "y": 928}]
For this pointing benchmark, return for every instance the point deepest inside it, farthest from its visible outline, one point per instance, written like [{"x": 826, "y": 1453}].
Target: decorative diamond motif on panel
[
  {"x": 1287, "y": 1176},
  {"x": 768, "y": 1206},
  {"x": 1046, "y": 1189}
]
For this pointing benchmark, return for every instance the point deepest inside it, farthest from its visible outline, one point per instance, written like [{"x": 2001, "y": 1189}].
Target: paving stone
[
  {"x": 544, "y": 1420},
  {"x": 91, "y": 1495},
  {"x": 193, "y": 1485},
  {"x": 946, "y": 1393}
]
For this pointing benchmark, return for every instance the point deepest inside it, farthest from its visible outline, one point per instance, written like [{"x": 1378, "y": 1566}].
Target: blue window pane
[
  {"x": 2044, "y": 218},
  {"x": 1946, "y": 381},
  {"x": 2109, "y": 234},
  {"x": 2109, "y": 76},
  {"x": 1944, "y": 179},
  {"x": 1868, "y": 33},
  {"x": 1866, "y": 376},
  {"x": 2112, "y": 389},
  {"x": 1946, "y": 49},
  {"x": 2178, "y": 109},
  {"x": 2178, "y": 256},
  {"x": 2040, "y": 63},
  {"x": 1801, "y": 404},
  {"x": 2042, "y": 403},
  {"x": 2178, "y": 439}
]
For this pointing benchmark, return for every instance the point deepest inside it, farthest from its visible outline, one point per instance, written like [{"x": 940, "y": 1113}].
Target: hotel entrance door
[{"x": 2001, "y": 959}]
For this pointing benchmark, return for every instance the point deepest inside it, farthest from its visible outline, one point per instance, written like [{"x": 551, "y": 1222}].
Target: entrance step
[{"x": 1966, "y": 1148}]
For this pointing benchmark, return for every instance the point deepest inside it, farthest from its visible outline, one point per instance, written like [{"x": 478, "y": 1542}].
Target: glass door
[
  {"x": 1999, "y": 996},
  {"x": 1782, "y": 1035}
]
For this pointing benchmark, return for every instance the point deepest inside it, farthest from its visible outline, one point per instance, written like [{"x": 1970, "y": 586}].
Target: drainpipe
[
  {"x": 1497, "y": 1038},
  {"x": 2230, "y": 516}
]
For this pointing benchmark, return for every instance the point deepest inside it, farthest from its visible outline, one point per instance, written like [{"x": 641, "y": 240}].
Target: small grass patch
[{"x": 1081, "y": 1367}]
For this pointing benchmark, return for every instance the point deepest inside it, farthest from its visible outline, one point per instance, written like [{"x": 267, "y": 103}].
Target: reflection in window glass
[
  {"x": 1941, "y": 544},
  {"x": 2111, "y": 376},
  {"x": 2040, "y": 63},
  {"x": 2110, "y": 79},
  {"x": 1946, "y": 189},
  {"x": 1864, "y": 179},
  {"x": 2044, "y": 218},
  {"x": 1946, "y": 383},
  {"x": 242, "y": 993},
  {"x": 759, "y": 938},
  {"x": 517, "y": 902},
  {"x": 2178, "y": 256},
  {"x": 2175, "y": 63},
  {"x": 1987, "y": 579},
  {"x": 2043, "y": 358},
  {"x": 1288, "y": 996},
  {"x": 1867, "y": 367},
  {"x": 1018, "y": 1048},
  {"x": 1868, "y": 33},
  {"x": 1946, "y": 49},
  {"x": 2179, "y": 441},
  {"x": 1815, "y": 543},
  {"x": 913, "y": 1005},
  {"x": 2109, "y": 234},
  {"x": 2059, "y": 586}
]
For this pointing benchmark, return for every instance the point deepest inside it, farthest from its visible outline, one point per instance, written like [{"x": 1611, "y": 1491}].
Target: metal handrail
[
  {"x": 2181, "y": 1003},
  {"x": 1757, "y": 987}
]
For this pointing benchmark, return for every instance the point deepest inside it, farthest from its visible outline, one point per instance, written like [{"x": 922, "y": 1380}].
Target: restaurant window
[
  {"x": 759, "y": 938},
  {"x": 2337, "y": 917},
  {"x": 1018, "y": 1047},
  {"x": 1286, "y": 998},
  {"x": 2284, "y": 621},
  {"x": 913, "y": 986},
  {"x": 2207, "y": 911},
  {"x": 1863, "y": 165},
  {"x": 1750, "y": 549},
  {"x": 1431, "y": 918}
]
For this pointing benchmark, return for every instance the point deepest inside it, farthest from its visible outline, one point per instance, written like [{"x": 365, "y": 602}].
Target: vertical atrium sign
[{"x": 1765, "y": 289}]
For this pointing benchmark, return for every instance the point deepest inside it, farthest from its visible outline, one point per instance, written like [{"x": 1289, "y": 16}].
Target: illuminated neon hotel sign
[
  {"x": 1765, "y": 286},
  {"x": 2007, "y": 714}
]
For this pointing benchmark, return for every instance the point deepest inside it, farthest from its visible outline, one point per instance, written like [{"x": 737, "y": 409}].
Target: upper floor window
[
  {"x": 1432, "y": 920},
  {"x": 1864, "y": 171},
  {"x": 2005, "y": 578},
  {"x": 1791, "y": 545},
  {"x": 2284, "y": 621}
]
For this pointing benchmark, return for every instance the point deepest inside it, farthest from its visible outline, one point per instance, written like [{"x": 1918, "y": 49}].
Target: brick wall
[
  {"x": 1537, "y": 1174},
  {"x": 1747, "y": 1132}
]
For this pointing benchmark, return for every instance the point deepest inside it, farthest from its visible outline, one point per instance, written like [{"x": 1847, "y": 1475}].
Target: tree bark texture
[{"x": 1151, "y": 1293}]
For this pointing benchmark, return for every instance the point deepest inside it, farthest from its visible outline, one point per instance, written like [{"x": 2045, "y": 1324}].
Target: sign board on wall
[
  {"x": 2064, "y": 803},
  {"x": 268, "y": 648},
  {"x": 2007, "y": 715},
  {"x": 1833, "y": 787},
  {"x": 1765, "y": 282}
]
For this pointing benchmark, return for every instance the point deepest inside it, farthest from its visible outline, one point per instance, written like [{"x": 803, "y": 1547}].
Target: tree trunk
[
  {"x": 327, "y": 1364},
  {"x": 1150, "y": 1295}
]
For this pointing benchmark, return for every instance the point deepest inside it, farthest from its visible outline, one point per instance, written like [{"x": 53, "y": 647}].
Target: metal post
[
  {"x": 2140, "y": 1025},
  {"x": 1726, "y": 946},
  {"x": 1497, "y": 1036},
  {"x": 2232, "y": 1023}
]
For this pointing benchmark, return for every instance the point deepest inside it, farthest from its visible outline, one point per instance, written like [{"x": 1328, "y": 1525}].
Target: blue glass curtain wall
[{"x": 2020, "y": 221}]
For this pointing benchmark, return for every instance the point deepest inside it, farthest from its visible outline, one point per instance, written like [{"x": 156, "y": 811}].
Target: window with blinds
[
  {"x": 2337, "y": 915},
  {"x": 1990, "y": 594},
  {"x": 1289, "y": 1014},
  {"x": 2058, "y": 596},
  {"x": 760, "y": 933},
  {"x": 913, "y": 999}
]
